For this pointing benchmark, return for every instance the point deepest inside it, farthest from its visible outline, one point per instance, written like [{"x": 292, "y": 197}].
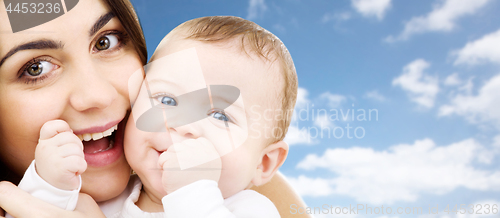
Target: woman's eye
[
  {"x": 106, "y": 42},
  {"x": 167, "y": 101},
  {"x": 219, "y": 116},
  {"x": 40, "y": 67}
]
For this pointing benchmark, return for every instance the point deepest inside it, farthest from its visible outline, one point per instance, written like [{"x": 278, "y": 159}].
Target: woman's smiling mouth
[
  {"x": 96, "y": 136},
  {"x": 102, "y": 145}
]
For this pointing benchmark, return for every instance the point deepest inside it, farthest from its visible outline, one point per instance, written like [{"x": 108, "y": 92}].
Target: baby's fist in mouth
[{"x": 189, "y": 161}]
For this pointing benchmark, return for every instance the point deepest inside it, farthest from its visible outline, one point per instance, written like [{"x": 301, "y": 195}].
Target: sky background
[{"x": 429, "y": 72}]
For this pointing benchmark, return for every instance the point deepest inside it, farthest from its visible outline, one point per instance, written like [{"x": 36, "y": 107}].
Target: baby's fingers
[
  {"x": 195, "y": 152},
  {"x": 73, "y": 158},
  {"x": 65, "y": 138},
  {"x": 168, "y": 160},
  {"x": 75, "y": 164},
  {"x": 71, "y": 149},
  {"x": 52, "y": 146},
  {"x": 52, "y": 128}
]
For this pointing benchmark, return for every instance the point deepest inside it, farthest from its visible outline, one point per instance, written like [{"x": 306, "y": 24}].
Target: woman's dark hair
[
  {"x": 125, "y": 12},
  {"x": 7, "y": 175}
]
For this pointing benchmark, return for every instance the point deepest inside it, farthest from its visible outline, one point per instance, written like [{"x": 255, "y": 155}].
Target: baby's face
[{"x": 193, "y": 90}]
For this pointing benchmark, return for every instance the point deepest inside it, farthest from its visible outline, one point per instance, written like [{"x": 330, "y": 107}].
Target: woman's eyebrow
[
  {"x": 38, "y": 44},
  {"x": 102, "y": 21},
  {"x": 51, "y": 44}
]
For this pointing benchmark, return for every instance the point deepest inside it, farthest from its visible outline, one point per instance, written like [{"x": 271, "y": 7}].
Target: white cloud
[
  {"x": 301, "y": 103},
  {"x": 304, "y": 112},
  {"x": 299, "y": 135},
  {"x": 256, "y": 8},
  {"x": 323, "y": 121},
  {"x": 401, "y": 173},
  {"x": 452, "y": 80},
  {"x": 372, "y": 8},
  {"x": 496, "y": 141},
  {"x": 468, "y": 86},
  {"x": 314, "y": 187},
  {"x": 420, "y": 87},
  {"x": 296, "y": 136},
  {"x": 485, "y": 49},
  {"x": 481, "y": 108},
  {"x": 375, "y": 95},
  {"x": 455, "y": 85},
  {"x": 333, "y": 100},
  {"x": 442, "y": 18},
  {"x": 302, "y": 99}
]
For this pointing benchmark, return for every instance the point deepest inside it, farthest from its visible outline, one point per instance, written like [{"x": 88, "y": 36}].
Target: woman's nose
[{"x": 91, "y": 88}]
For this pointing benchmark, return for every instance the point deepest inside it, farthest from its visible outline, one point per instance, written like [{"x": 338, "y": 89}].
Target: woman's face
[{"x": 75, "y": 68}]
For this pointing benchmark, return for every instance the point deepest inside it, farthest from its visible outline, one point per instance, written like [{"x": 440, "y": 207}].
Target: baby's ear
[{"x": 273, "y": 156}]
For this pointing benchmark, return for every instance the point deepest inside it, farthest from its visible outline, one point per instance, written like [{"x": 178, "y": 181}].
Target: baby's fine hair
[{"x": 263, "y": 43}]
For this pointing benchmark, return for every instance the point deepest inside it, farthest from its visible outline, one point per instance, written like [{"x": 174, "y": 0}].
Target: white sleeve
[
  {"x": 204, "y": 199},
  {"x": 39, "y": 188}
]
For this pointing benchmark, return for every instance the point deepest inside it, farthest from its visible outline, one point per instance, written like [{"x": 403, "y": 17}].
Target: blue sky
[{"x": 429, "y": 68}]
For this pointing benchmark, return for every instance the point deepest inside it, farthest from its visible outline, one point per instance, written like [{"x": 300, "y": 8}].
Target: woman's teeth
[{"x": 99, "y": 135}]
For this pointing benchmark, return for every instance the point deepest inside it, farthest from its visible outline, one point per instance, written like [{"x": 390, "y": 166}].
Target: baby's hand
[
  {"x": 59, "y": 157},
  {"x": 187, "y": 162}
]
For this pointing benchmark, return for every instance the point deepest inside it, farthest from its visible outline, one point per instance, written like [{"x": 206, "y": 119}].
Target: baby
[{"x": 207, "y": 124}]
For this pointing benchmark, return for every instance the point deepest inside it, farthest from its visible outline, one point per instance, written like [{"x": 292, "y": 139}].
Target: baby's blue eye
[
  {"x": 219, "y": 116},
  {"x": 167, "y": 100}
]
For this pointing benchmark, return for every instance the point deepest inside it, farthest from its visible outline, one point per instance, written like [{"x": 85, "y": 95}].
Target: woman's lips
[
  {"x": 103, "y": 144},
  {"x": 98, "y": 135},
  {"x": 98, "y": 129},
  {"x": 106, "y": 150}
]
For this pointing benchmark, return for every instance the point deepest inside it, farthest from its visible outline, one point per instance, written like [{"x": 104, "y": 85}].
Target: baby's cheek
[
  {"x": 132, "y": 142},
  {"x": 237, "y": 172},
  {"x": 238, "y": 134},
  {"x": 141, "y": 104},
  {"x": 225, "y": 139},
  {"x": 216, "y": 133}
]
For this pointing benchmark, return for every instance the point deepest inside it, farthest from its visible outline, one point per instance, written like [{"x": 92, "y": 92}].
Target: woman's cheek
[
  {"x": 128, "y": 65},
  {"x": 23, "y": 114}
]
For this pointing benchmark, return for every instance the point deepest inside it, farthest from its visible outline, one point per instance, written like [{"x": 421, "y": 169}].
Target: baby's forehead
[{"x": 191, "y": 63}]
